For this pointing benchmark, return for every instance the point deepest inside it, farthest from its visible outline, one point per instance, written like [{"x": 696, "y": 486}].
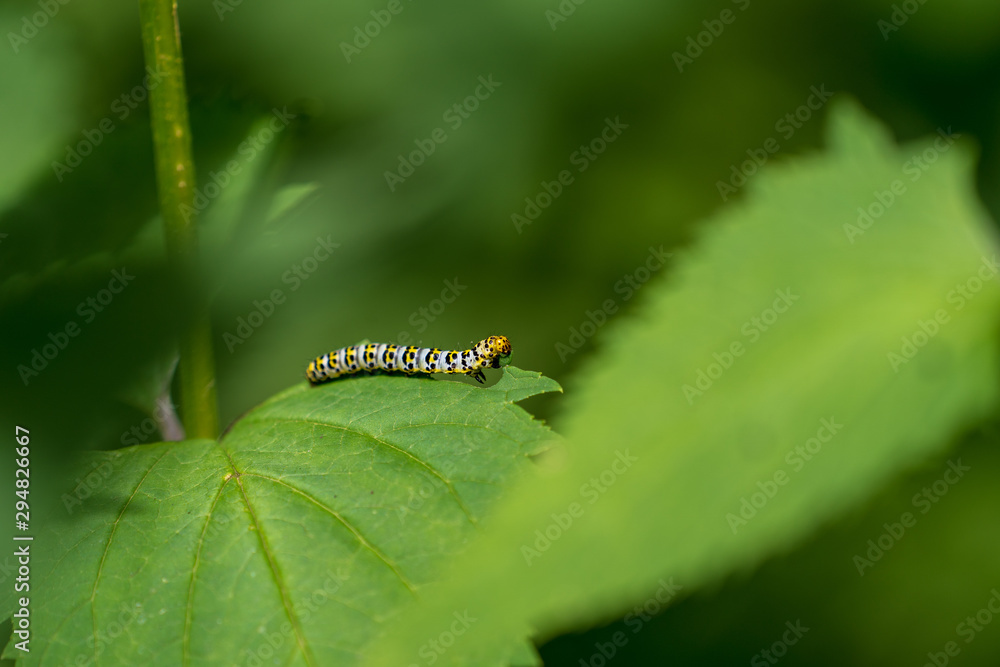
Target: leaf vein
[
  {"x": 273, "y": 566},
  {"x": 107, "y": 548},
  {"x": 188, "y": 610},
  {"x": 431, "y": 469},
  {"x": 347, "y": 524}
]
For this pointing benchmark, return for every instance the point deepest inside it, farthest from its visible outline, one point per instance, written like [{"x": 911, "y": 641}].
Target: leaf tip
[
  {"x": 520, "y": 384},
  {"x": 852, "y": 130}
]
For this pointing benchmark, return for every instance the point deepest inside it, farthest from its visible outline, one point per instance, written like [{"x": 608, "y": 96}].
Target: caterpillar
[{"x": 492, "y": 352}]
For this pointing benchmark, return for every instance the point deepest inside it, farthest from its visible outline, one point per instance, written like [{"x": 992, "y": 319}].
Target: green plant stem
[{"x": 175, "y": 180}]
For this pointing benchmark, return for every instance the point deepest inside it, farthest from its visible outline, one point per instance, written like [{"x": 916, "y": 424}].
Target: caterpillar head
[{"x": 498, "y": 349}]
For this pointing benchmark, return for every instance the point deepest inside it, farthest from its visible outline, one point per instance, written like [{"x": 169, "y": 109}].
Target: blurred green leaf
[
  {"x": 798, "y": 359},
  {"x": 298, "y": 535},
  {"x": 227, "y": 192},
  {"x": 944, "y": 548},
  {"x": 222, "y": 203},
  {"x": 37, "y": 121},
  {"x": 286, "y": 199}
]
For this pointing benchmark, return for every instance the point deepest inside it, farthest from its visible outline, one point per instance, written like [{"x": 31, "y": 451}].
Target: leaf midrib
[{"x": 428, "y": 467}]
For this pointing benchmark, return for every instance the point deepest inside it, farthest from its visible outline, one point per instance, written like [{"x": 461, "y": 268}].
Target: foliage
[
  {"x": 298, "y": 535},
  {"x": 708, "y": 438},
  {"x": 650, "y": 252}
]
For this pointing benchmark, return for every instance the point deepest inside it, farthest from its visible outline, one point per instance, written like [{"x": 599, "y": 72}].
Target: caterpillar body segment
[{"x": 492, "y": 352}]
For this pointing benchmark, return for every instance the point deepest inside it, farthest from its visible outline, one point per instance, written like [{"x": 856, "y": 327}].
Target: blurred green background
[{"x": 357, "y": 109}]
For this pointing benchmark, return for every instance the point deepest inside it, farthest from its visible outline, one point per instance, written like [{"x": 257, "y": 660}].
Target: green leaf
[
  {"x": 239, "y": 181},
  {"x": 767, "y": 387},
  {"x": 294, "y": 538},
  {"x": 234, "y": 185},
  {"x": 45, "y": 74},
  {"x": 288, "y": 199}
]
